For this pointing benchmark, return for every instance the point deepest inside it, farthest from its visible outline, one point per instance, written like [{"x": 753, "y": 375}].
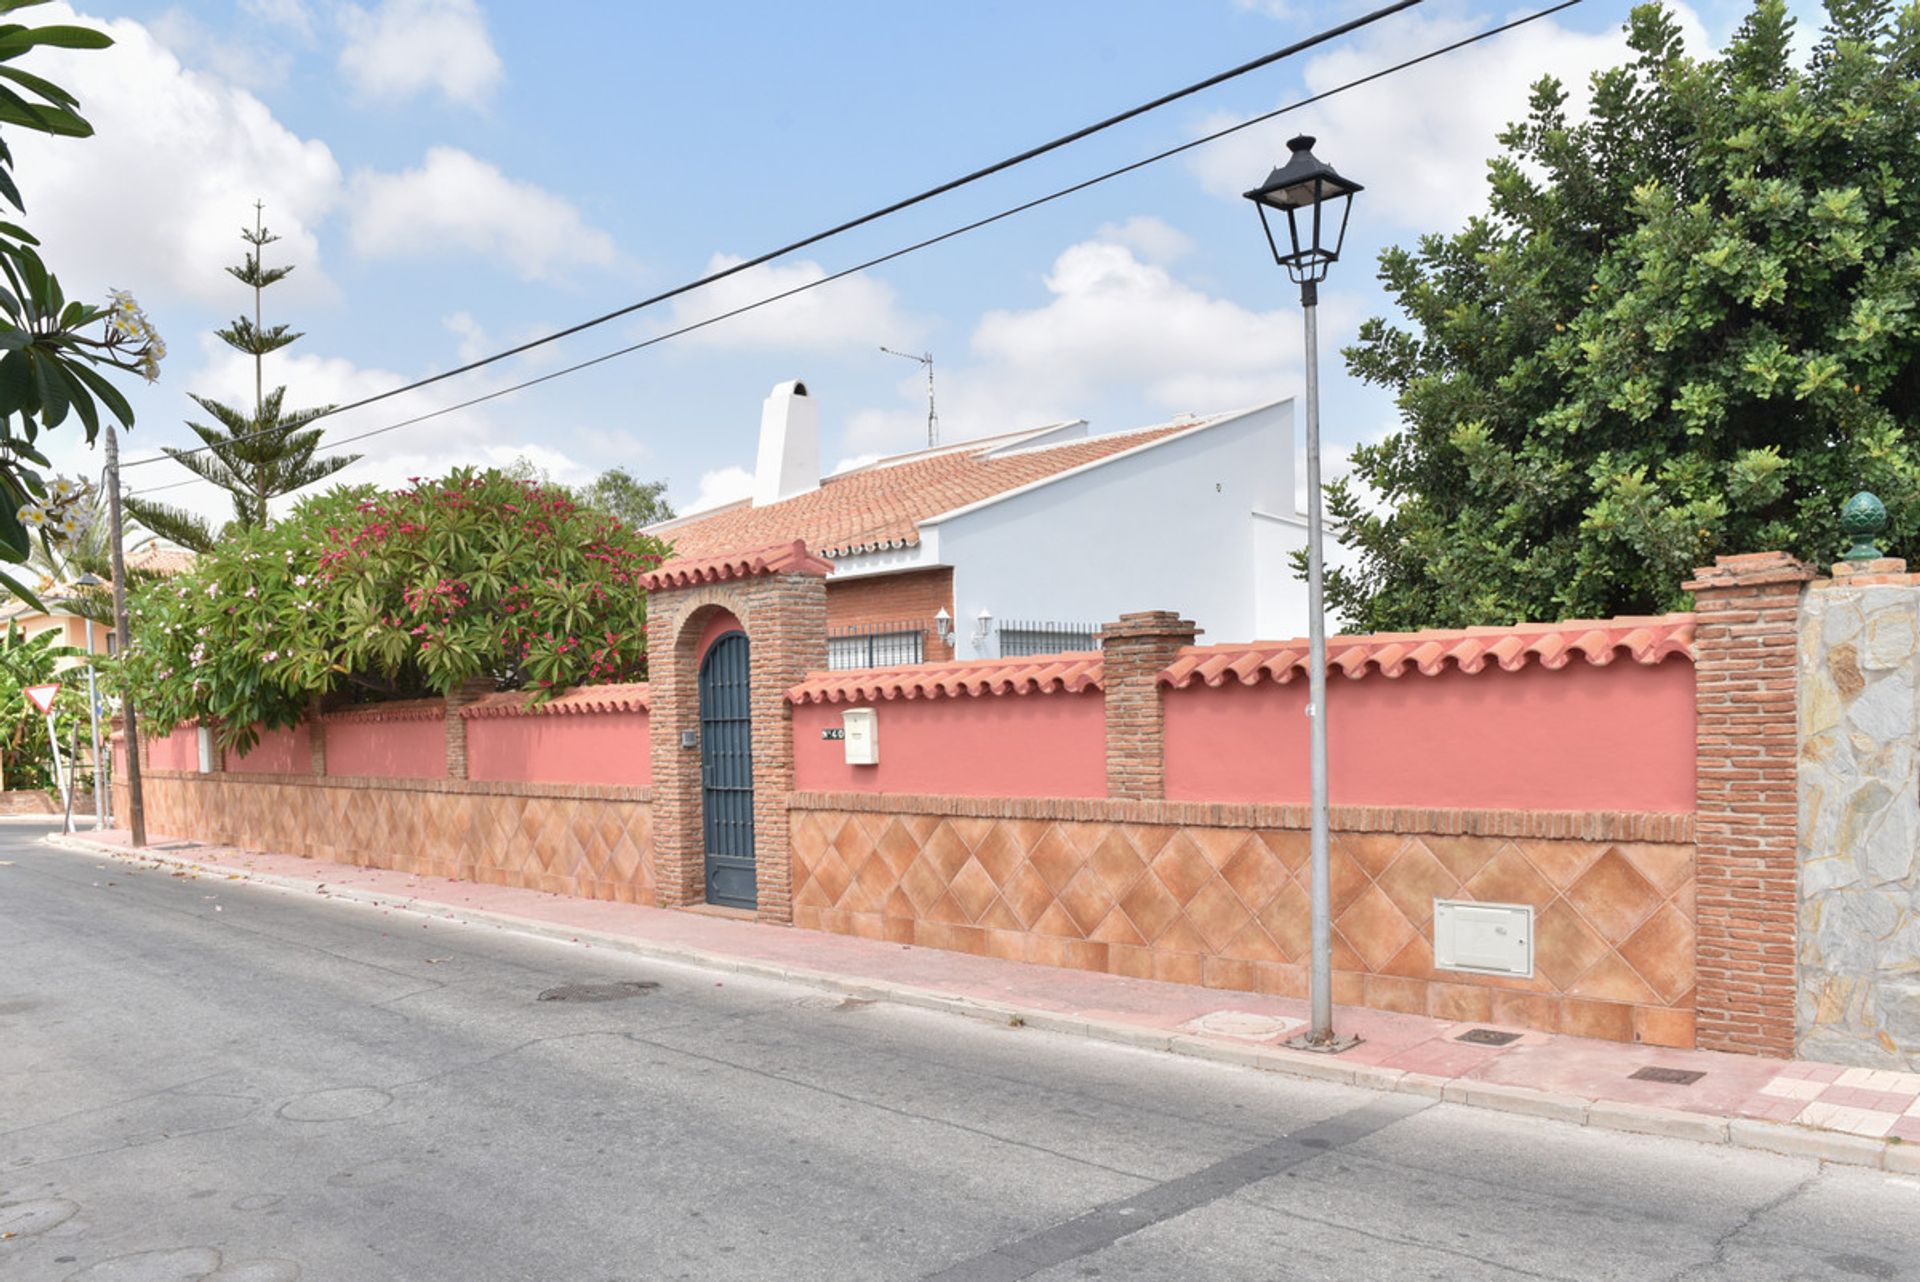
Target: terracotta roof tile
[
  {"x": 623, "y": 696},
  {"x": 393, "y": 710},
  {"x": 790, "y": 557},
  {"x": 1042, "y": 674},
  {"x": 1392, "y": 654},
  {"x": 883, "y": 505}
]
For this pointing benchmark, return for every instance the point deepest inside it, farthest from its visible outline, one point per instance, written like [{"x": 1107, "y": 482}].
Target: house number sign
[{"x": 834, "y": 733}]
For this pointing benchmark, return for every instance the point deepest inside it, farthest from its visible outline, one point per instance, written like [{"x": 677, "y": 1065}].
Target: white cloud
[
  {"x": 1117, "y": 321},
  {"x": 291, "y": 14},
  {"x": 456, "y": 201},
  {"x": 407, "y": 47},
  {"x": 154, "y": 200},
  {"x": 723, "y": 485},
  {"x": 1419, "y": 140},
  {"x": 473, "y": 339},
  {"x": 1116, "y": 328},
  {"x": 1149, "y": 237},
  {"x": 470, "y": 436},
  {"x": 858, "y": 310},
  {"x": 253, "y": 64}
]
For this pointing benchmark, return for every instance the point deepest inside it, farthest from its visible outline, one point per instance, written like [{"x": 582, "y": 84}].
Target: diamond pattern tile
[{"x": 1613, "y": 924}]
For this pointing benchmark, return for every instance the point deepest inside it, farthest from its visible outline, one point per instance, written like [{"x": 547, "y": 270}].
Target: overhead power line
[
  {"x": 953, "y": 184},
  {"x": 1439, "y": 52}
]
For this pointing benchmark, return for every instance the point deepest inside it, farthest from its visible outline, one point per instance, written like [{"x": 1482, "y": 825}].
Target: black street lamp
[
  {"x": 1306, "y": 190},
  {"x": 1303, "y": 188}
]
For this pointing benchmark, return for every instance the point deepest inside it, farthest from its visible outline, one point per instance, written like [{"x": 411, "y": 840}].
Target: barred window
[
  {"x": 1019, "y": 640},
  {"x": 875, "y": 649}
]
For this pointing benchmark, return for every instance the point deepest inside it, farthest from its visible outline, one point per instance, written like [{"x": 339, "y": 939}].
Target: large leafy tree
[
  {"x": 360, "y": 594},
  {"x": 637, "y": 503},
  {"x": 1688, "y": 325},
  {"x": 255, "y": 457},
  {"x": 54, "y": 351}
]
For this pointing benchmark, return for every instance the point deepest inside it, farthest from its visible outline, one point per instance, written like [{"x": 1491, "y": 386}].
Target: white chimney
[{"x": 789, "y": 461}]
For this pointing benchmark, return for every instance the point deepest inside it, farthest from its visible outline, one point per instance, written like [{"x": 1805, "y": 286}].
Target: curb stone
[{"x": 1780, "y": 1138}]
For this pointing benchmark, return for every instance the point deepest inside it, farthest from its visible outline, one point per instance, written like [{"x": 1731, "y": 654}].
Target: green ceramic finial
[{"x": 1863, "y": 518}]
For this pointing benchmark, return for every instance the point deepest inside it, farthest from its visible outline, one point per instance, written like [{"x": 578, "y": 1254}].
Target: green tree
[
  {"x": 52, "y": 349},
  {"x": 1689, "y": 325},
  {"x": 26, "y": 760},
  {"x": 637, "y": 503},
  {"x": 255, "y": 457},
  {"x": 357, "y": 593}
]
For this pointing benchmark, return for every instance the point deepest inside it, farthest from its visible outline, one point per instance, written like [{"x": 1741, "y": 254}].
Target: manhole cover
[
  {"x": 609, "y": 992},
  {"x": 1488, "y": 1037},
  {"x": 1241, "y": 1023},
  {"x": 1670, "y": 1076}
]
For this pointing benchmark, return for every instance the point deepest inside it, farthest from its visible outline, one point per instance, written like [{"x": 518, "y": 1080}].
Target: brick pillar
[
  {"x": 787, "y": 628},
  {"x": 780, "y": 597},
  {"x": 679, "y": 873},
  {"x": 1135, "y": 651},
  {"x": 1746, "y": 800},
  {"x": 459, "y": 697}
]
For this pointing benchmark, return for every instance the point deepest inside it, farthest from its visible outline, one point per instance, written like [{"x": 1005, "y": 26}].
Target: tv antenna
[{"x": 933, "y": 419}]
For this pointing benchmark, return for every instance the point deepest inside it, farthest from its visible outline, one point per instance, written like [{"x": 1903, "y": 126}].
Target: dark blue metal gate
[{"x": 726, "y": 771}]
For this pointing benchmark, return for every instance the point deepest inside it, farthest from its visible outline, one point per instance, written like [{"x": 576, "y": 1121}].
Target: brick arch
[{"x": 784, "y": 617}]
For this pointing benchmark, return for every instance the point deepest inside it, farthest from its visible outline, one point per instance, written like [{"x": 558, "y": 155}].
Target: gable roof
[{"x": 883, "y": 504}]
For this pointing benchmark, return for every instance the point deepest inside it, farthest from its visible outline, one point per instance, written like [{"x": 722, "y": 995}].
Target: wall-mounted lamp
[
  {"x": 943, "y": 626},
  {"x": 982, "y": 626}
]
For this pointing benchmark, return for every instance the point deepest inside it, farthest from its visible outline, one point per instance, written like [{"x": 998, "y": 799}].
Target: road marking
[{"x": 1101, "y": 1227}]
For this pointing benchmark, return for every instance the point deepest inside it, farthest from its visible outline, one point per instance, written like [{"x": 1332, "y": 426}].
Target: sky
[{"x": 451, "y": 177}]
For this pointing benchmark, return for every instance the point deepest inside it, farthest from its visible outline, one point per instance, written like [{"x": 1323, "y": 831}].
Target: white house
[{"x": 1028, "y": 541}]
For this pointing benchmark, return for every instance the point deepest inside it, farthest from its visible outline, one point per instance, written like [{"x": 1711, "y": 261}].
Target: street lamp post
[{"x": 1307, "y": 190}]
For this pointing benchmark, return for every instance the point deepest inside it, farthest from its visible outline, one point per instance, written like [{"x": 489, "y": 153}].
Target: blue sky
[{"x": 453, "y": 176}]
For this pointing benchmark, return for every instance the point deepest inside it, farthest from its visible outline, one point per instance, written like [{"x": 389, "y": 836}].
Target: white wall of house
[{"x": 1170, "y": 526}]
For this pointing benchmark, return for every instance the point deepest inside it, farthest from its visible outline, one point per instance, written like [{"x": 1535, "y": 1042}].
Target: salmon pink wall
[
  {"x": 411, "y": 749},
  {"x": 1581, "y": 737},
  {"x": 588, "y": 747},
  {"x": 1026, "y": 745},
  {"x": 279, "y": 752},
  {"x": 719, "y": 624},
  {"x": 178, "y": 751}
]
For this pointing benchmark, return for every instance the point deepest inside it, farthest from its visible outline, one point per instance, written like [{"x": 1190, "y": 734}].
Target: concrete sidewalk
[{"x": 1857, "y": 1116}]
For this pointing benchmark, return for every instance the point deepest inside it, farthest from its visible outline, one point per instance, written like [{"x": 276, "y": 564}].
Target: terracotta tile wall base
[
  {"x": 1227, "y": 906},
  {"x": 594, "y": 843}
]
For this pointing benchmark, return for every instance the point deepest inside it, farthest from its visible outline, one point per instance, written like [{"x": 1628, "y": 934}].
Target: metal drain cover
[
  {"x": 609, "y": 992},
  {"x": 1670, "y": 1076},
  {"x": 1488, "y": 1037}
]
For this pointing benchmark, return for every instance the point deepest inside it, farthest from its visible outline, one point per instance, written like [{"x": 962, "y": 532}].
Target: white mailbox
[
  {"x": 1486, "y": 939},
  {"x": 862, "y": 727}
]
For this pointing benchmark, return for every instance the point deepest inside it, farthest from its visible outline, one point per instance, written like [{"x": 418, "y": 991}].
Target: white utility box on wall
[
  {"x": 1486, "y": 939},
  {"x": 862, "y": 726}
]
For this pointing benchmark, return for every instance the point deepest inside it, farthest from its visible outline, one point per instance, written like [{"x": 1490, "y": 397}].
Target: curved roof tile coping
[
  {"x": 398, "y": 710},
  {"x": 1646, "y": 640},
  {"x": 780, "y": 558},
  {"x": 1042, "y": 674},
  {"x": 628, "y": 696}
]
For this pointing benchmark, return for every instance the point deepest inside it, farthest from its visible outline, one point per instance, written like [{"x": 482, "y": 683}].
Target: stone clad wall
[{"x": 1859, "y": 769}]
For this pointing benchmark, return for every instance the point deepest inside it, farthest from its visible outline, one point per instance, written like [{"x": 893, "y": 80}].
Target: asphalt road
[{"x": 201, "y": 1079}]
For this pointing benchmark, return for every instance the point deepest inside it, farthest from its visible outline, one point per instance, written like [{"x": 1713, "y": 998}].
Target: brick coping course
[{"x": 1855, "y": 1116}]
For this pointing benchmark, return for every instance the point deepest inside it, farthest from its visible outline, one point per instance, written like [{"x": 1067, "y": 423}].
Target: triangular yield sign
[{"x": 43, "y": 696}]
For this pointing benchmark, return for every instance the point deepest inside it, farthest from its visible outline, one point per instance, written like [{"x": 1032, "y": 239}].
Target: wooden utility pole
[{"x": 136, "y": 808}]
